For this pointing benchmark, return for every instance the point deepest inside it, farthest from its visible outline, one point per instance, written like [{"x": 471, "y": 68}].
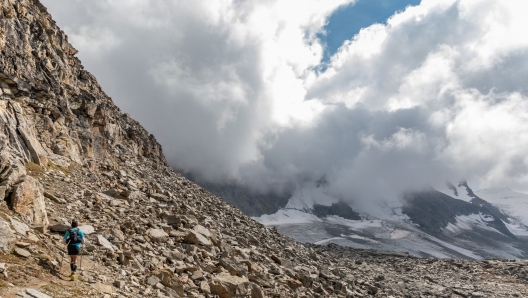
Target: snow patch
[
  {"x": 286, "y": 216},
  {"x": 355, "y": 224},
  {"x": 326, "y": 241},
  {"x": 466, "y": 252},
  {"x": 399, "y": 234},
  {"x": 470, "y": 222}
]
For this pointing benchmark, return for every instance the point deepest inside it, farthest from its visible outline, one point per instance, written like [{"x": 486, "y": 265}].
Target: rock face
[
  {"x": 27, "y": 199},
  {"x": 153, "y": 233}
]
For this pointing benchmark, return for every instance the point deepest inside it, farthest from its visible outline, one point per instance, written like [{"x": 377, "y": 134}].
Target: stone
[
  {"x": 103, "y": 288},
  {"x": 233, "y": 267},
  {"x": 87, "y": 229},
  {"x": 7, "y": 237},
  {"x": 54, "y": 198},
  {"x": 3, "y": 269},
  {"x": 158, "y": 235},
  {"x": 197, "y": 275},
  {"x": 32, "y": 237},
  {"x": 28, "y": 200},
  {"x": 61, "y": 228},
  {"x": 294, "y": 284},
  {"x": 180, "y": 220},
  {"x": 177, "y": 233},
  {"x": 117, "y": 234},
  {"x": 256, "y": 292},
  {"x": 170, "y": 280},
  {"x": 159, "y": 197},
  {"x": 19, "y": 227},
  {"x": 152, "y": 280},
  {"x": 204, "y": 287},
  {"x": 133, "y": 195},
  {"x": 120, "y": 284},
  {"x": 22, "y": 252},
  {"x": 202, "y": 230},
  {"x": 36, "y": 294},
  {"x": 40, "y": 228},
  {"x": 197, "y": 239},
  {"x": 22, "y": 244},
  {"x": 101, "y": 240},
  {"x": 227, "y": 286},
  {"x": 115, "y": 194}
]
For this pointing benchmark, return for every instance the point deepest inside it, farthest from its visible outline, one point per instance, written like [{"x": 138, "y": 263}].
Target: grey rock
[
  {"x": 22, "y": 252},
  {"x": 7, "y": 237},
  {"x": 19, "y": 227},
  {"x": 36, "y": 294}
]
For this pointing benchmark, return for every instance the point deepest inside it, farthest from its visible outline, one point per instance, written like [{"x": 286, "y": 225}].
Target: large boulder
[{"x": 28, "y": 200}]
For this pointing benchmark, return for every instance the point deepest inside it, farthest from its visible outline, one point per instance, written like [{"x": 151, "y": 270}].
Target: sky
[
  {"x": 408, "y": 95},
  {"x": 348, "y": 20}
]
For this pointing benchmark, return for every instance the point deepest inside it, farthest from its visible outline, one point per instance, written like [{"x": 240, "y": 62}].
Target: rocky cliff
[
  {"x": 66, "y": 151},
  {"x": 53, "y": 113}
]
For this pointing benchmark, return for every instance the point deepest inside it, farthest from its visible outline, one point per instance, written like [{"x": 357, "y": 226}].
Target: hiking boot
[{"x": 72, "y": 277}]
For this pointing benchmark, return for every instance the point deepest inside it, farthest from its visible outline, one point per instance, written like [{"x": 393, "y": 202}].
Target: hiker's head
[{"x": 74, "y": 224}]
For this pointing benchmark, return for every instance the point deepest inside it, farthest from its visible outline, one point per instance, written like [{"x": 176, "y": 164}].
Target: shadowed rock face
[
  {"x": 250, "y": 202},
  {"x": 339, "y": 209},
  {"x": 433, "y": 211}
]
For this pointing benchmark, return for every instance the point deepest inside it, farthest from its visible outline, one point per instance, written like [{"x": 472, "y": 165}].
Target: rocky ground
[
  {"x": 67, "y": 152},
  {"x": 152, "y": 233}
]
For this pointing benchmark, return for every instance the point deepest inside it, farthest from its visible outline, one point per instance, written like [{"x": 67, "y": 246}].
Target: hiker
[{"x": 73, "y": 238}]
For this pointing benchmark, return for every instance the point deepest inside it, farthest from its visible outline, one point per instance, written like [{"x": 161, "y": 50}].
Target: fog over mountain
[{"x": 235, "y": 91}]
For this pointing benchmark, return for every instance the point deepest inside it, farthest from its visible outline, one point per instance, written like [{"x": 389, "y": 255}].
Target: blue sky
[{"x": 347, "y": 21}]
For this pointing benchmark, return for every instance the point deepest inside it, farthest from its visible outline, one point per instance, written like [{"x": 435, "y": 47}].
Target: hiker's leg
[{"x": 73, "y": 251}]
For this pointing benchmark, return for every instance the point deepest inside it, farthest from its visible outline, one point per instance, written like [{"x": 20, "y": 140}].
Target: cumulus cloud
[{"x": 235, "y": 90}]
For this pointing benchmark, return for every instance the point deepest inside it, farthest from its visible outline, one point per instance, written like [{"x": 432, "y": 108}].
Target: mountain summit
[{"x": 67, "y": 152}]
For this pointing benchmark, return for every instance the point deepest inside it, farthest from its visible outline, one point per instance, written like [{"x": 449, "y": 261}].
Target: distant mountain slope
[
  {"x": 513, "y": 204},
  {"x": 251, "y": 203},
  {"x": 433, "y": 211},
  {"x": 426, "y": 223}
]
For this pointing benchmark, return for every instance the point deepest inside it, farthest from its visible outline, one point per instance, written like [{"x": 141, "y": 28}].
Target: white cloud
[{"x": 231, "y": 90}]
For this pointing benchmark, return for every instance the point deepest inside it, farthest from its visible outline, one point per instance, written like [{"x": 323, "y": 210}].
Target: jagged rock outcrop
[
  {"x": 53, "y": 113},
  {"x": 151, "y": 232}
]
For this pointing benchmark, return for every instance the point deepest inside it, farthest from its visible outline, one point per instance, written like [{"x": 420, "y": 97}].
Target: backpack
[{"x": 74, "y": 238}]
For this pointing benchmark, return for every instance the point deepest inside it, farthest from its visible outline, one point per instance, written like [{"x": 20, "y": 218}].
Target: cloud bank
[{"x": 235, "y": 90}]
